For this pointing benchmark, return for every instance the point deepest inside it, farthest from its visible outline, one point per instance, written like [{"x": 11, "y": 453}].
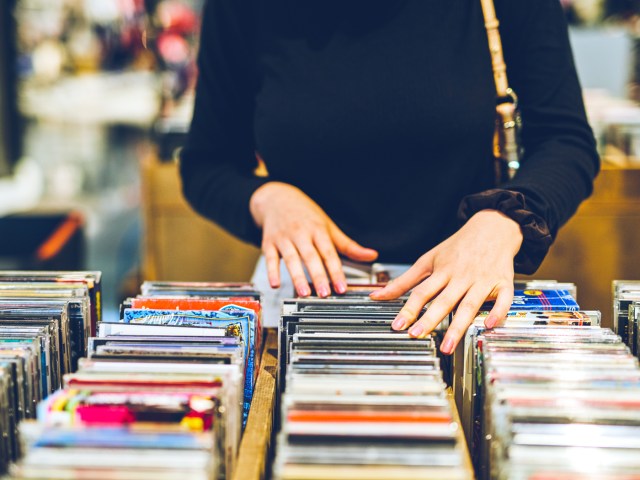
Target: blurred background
[{"x": 96, "y": 96}]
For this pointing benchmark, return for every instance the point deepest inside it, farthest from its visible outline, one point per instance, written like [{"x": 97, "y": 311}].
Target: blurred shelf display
[
  {"x": 123, "y": 98},
  {"x": 67, "y": 37},
  {"x": 604, "y": 58},
  {"x": 595, "y": 12},
  {"x": 605, "y": 37},
  {"x": 106, "y": 61},
  {"x": 616, "y": 126},
  {"x": 174, "y": 36},
  {"x": 85, "y": 61},
  {"x": 10, "y": 128}
]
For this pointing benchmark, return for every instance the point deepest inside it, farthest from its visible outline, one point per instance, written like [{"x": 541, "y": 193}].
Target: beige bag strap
[
  {"x": 492, "y": 24},
  {"x": 506, "y": 148}
]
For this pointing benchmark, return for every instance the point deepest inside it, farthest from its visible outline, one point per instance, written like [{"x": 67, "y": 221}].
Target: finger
[
  {"x": 272, "y": 259},
  {"x": 315, "y": 267},
  {"x": 292, "y": 260},
  {"x": 443, "y": 304},
  {"x": 351, "y": 248},
  {"x": 502, "y": 306},
  {"x": 332, "y": 262},
  {"x": 409, "y": 279},
  {"x": 465, "y": 313},
  {"x": 420, "y": 296}
]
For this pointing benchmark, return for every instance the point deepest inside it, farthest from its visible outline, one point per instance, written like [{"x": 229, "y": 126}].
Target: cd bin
[{"x": 256, "y": 448}]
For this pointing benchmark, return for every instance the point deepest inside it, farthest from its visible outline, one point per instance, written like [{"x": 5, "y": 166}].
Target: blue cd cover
[{"x": 542, "y": 300}]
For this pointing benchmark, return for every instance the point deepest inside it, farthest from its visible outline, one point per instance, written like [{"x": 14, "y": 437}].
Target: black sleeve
[
  {"x": 560, "y": 160},
  {"x": 218, "y": 160}
]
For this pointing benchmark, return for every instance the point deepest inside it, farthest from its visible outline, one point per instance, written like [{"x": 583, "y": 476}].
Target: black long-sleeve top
[{"x": 382, "y": 111}]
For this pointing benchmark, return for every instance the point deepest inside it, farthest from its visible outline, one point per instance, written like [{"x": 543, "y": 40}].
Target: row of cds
[
  {"x": 360, "y": 401},
  {"x": 45, "y": 321},
  {"x": 164, "y": 391},
  {"x": 161, "y": 394},
  {"x": 545, "y": 421},
  {"x": 626, "y": 312},
  {"x": 549, "y": 395}
]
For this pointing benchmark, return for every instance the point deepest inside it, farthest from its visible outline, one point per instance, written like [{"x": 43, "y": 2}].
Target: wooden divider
[{"x": 255, "y": 454}]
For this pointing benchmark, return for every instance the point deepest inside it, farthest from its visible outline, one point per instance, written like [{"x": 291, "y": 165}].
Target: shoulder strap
[{"x": 491, "y": 24}]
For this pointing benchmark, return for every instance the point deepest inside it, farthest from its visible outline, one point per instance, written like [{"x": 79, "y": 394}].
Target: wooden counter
[
  {"x": 601, "y": 242},
  {"x": 179, "y": 244}
]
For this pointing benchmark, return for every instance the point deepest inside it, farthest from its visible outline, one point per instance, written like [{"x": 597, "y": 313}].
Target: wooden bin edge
[{"x": 254, "y": 455}]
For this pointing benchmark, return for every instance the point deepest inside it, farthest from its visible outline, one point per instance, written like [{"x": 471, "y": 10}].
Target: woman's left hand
[{"x": 472, "y": 266}]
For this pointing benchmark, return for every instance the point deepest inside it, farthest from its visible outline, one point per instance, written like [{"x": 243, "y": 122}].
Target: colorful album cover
[
  {"x": 230, "y": 316},
  {"x": 545, "y": 300},
  {"x": 235, "y": 306}
]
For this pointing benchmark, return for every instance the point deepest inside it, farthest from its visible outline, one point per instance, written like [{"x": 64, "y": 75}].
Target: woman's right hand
[{"x": 295, "y": 228}]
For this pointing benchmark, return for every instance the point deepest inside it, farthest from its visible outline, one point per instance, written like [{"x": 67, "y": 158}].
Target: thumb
[{"x": 351, "y": 248}]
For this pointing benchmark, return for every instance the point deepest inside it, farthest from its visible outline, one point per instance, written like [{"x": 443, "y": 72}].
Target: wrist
[
  {"x": 501, "y": 226},
  {"x": 535, "y": 230},
  {"x": 257, "y": 203}
]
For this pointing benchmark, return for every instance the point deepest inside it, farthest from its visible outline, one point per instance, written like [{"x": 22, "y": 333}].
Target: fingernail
[
  {"x": 448, "y": 346},
  {"x": 324, "y": 291},
  {"x": 376, "y": 293},
  {"x": 304, "y": 291},
  {"x": 341, "y": 287},
  {"x": 398, "y": 323},
  {"x": 491, "y": 321},
  {"x": 416, "y": 330}
]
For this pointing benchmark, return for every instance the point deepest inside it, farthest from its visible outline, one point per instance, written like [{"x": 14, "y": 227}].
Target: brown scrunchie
[{"x": 536, "y": 235}]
